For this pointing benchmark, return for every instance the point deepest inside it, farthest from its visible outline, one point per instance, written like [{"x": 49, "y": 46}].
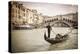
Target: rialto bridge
[{"x": 61, "y": 23}]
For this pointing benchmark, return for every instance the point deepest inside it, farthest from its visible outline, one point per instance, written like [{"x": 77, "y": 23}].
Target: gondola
[{"x": 59, "y": 38}]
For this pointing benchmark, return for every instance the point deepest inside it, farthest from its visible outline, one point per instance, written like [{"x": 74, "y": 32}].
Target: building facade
[
  {"x": 18, "y": 13},
  {"x": 21, "y": 15}
]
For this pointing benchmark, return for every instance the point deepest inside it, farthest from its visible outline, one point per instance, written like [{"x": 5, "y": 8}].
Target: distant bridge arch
[
  {"x": 61, "y": 23},
  {"x": 58, "y": 22}
]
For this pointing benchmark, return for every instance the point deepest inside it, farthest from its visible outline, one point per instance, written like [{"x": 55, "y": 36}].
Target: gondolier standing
[{"x": 48, "y": 29}]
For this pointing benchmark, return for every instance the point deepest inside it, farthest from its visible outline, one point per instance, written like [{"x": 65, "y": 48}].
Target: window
[
  {"x": 24, "y": 14},
  {"x": 18, "y": 11},
  {"x": 19, "y": 16}
]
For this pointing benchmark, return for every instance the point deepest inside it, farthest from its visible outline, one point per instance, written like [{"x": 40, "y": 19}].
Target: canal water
[{"x": 33, "y": 40}]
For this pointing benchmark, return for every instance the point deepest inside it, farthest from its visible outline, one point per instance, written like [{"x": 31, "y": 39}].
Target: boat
[{"x": 59, "y": 38}]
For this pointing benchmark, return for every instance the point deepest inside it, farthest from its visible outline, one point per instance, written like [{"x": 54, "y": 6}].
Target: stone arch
[{"x": 64, "y": 22}]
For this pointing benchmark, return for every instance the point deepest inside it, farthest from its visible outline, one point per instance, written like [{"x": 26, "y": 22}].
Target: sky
[{"x": 51, "y": 9}]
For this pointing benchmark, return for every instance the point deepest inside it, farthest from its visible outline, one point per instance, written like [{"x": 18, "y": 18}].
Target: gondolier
[{"x": 48, "y": 29}]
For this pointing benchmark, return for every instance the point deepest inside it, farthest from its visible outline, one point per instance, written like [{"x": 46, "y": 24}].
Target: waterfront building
[{"x": 21, "y": 15}]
